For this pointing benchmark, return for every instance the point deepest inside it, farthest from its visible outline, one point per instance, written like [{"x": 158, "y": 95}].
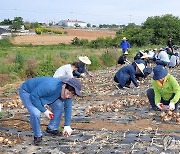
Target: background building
[{"x": 72, "y": 23}]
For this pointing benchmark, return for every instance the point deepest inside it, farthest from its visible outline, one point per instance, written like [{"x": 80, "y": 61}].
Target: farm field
[
  {"x": 105, "y": 120},
  {"x": 56, "y": 39}
]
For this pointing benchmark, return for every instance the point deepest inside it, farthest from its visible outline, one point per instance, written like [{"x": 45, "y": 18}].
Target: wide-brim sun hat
[
  {"x": 155, "y": 49},
  {"x": 76, "y": 84},
  {"x": 161, "y": 49},
  {"x": 85, "y": 60},
  {"x": 159, "y": 72},
  {"x": 125, "y": 53},
  {"x": 142, "y": 51},
  {"x": 145, "y": 55},
  {"x": 124, "y": 38},
  {"x": 141, "y": 67}
]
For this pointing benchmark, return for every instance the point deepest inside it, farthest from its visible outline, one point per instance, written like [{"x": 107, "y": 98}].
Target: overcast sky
[{"x": 90, "y": 11}]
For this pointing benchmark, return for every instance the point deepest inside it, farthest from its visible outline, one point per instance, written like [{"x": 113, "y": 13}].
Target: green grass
[{"x": 19, "y": 62}]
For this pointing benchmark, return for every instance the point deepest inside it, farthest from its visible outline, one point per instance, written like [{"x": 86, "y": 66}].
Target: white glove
[
  {"x": 91, "y": 76},
  {"x": 67, "y": 131},
  {"x": 83, "y": 75},
  {"x": 171, "y": 106},
  {"x": 160, "y": 106},
  {"x": 49, "y": 114}
]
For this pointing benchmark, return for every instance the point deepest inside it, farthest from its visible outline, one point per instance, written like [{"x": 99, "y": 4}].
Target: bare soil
[
  {"x": 92, "y": 115},
  {"x": 102, "y": 86},
  {"x": 49, "y": 39}
]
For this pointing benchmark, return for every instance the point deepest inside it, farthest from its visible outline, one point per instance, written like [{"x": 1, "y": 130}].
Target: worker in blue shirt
[
  {"x": 124, "y": 45},
  {"x": 126, "y": 74},
  {"x": 38, "y": 92}
]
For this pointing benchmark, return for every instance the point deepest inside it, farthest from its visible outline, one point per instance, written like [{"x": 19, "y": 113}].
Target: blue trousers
[
  {"x": 161, "y": 62},
  {"x": 151, "y": 98},
  {"x": 57, "y": 109},
  {"x": 124, "y": 50}
]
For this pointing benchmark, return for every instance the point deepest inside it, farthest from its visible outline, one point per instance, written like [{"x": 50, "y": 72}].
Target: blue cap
[{"x": 159, "y": 72}]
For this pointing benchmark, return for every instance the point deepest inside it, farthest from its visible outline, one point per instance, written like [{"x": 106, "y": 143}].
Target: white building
[
  {"x": 72, "y": 23},
  {"x": 6, "y": 27},
  {"x": 4, "y": 32}
]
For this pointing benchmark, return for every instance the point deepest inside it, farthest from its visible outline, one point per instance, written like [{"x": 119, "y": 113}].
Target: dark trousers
[
  {"x": 116, "y": 79},
  {"x": 161, "y": 62},
  {"x": 151, "y": 98},
  {"x": 128, "y": 82}
]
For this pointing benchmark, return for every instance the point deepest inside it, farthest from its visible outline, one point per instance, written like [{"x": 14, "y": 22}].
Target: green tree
[
  {"x": 6, "y": 22},
  {"x": 164, "y": 27},
  {"x": 88, "y": 25},
  {"x": 77, "y": 25},
  {"x": 17, "y": 23},
  {"x": 34, "y": 25}
]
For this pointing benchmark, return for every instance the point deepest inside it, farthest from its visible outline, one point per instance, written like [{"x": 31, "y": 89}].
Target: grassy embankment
[{"x": 19, "y": 62}]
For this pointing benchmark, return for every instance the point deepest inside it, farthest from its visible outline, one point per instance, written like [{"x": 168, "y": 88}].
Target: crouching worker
[
  {"x": 81, "y": 70},
  {"x": 37, "y": 92},
  {"x": 123, "y": 59},
  {"x": 127, "y": 74},
  {"x": 165, "y": 90}
]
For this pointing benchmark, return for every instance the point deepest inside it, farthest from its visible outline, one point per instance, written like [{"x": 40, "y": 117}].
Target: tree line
[{"x": 155, "y": 30}]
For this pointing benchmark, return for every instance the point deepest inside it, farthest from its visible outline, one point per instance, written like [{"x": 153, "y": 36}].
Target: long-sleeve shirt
[
  {"x": 126, "y": 73},
  {"x": 46, "y": 90},
  {"x": 124, "y": 45},
  {"x": 163, "y": 56},
  {"x": 81, "y": 69},
  {"x": 64, "y": 71},
  {"x": 122, "y": 59},
  {"x": 166, "y": 90}
]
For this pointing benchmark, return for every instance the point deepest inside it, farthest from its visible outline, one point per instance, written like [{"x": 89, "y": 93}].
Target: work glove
[
  {"x": 91, "y": 76},
  {"x": 171, "y": 106},
  {"x": 67, "y": 131},
  {"x": 139, "y": 82},
  {"x": 160, "y": 106},
  {"x": 49, "y": 114},
  {"x": 83, "y": 75}
]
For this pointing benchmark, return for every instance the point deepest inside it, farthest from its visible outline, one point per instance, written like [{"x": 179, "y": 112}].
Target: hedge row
[{"x": 47, "y": 30}]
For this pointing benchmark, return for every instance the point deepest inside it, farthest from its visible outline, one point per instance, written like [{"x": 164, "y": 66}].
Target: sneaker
[
  {"x": 38, "y": 141},
  {"x": 119, "y": 87},
  {"x": 155, "y": 109},
  {"x": 127, "y": 86},
  {"x": 53, "y": 132}
]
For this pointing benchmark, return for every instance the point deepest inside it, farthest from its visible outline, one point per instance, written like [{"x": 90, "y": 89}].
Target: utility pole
[{"x": 130, "y": 18}]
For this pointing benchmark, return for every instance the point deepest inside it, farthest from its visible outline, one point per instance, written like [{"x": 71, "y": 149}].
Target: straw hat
[
  {"x": 125, "y": 53},
  {"x": 85, "y": 60},
  {"x": 142, "y": 51},
  {"x": 145, "y": 55},
  {"x": 141, "y": 66},
  {"x": 124, "y": 38},
  {"x": 155, "y": 49}
]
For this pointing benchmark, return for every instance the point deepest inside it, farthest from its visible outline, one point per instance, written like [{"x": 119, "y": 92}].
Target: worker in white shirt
[
  {"x": 66, "y": 71},
  {"x": 162, "y": 58}
]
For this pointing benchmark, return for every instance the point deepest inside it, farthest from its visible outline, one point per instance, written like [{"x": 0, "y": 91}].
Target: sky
[{"x": 94, "y": 12}]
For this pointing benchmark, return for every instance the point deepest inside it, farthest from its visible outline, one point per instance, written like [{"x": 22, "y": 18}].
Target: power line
[{"x": 58, "y": 12}]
